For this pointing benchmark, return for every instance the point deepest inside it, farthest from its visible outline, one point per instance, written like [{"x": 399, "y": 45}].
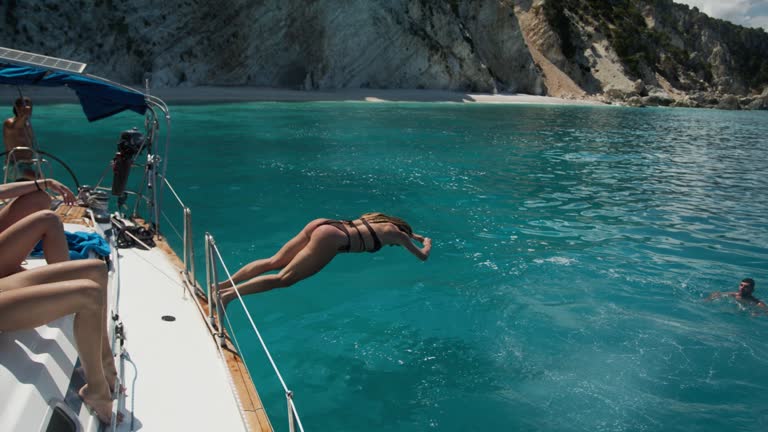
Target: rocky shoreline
[
  {"x": 659, "y": 97},
  {"x": 235, "y": 94},
  {"x": 238, "y": 94}
]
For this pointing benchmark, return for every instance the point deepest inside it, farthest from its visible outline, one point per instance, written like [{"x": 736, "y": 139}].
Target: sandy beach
[{"x": 205, "y": 95}]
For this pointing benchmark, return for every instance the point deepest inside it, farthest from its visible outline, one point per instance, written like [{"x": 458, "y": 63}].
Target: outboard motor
[{"x": 128, "y": 147}]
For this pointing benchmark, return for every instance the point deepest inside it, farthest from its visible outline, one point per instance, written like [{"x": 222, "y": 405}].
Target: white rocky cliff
[{"x": 485, "y": 46}]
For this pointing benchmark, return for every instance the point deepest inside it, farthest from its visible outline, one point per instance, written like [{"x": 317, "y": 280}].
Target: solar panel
[{"x": 31, "y": 59}]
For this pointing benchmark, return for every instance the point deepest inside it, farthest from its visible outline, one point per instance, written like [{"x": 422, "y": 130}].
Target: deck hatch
[{"x": 26, "y": 58}]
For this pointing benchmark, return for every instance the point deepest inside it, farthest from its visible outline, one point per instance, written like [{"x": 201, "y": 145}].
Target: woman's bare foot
[
  {"x": 110, "y": 376},
  {"x": 112, "y": 380},
  {"x": 227, "y": 295},
  {"x": 101, "y": 405}
]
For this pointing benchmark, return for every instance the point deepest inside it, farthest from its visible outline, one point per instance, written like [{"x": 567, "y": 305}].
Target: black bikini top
[
  {"x": 342, "y": 226},
  {"x": 376, "y": 242}
]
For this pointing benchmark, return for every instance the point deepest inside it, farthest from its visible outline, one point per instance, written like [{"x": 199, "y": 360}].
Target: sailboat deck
[
  {"x": 239, "y": 386},
  {"x": 250, "y": 402},
  {"x": 180, "y": 380},
  {"x": 176, "y": 376}
]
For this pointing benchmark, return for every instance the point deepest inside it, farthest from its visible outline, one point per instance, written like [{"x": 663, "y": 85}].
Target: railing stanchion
[
  {"x": 208, "y": 283},
  {"x": 191, "y": 266},
  {"x": 289, "y": 399},
  {"x": 213, "y": 259},
  {"x": 216, "y": 314},
  {"x": 185, "y": 241},
  {"x": 217, "y": 295},
  {"x": 188, "y": 240}
]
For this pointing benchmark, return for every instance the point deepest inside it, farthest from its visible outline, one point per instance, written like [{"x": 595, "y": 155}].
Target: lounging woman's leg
[
  {"x": 278, "y": 260},
  {"x": 93, "y": 270},
  {"x": 23, "y": 206},
  {"x": 322, "y": 247},
  {"x": 96, "y": 271},
  {"x": 35, "y": 297},
  {"x": 21, "y": 237},
  {"x": 107, "y": 356}
]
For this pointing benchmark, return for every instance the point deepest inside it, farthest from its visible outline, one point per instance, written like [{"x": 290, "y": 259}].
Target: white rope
[
  {"x": 135, "y": 238},
  {"x": 172, "y": 279},
  {"x": 182, "y": 285},
  {"x": 288, "y": 393},
  {"x": 114, "y": 312},
  {"x": 173, "y": 191},
  {"x": 250, "y": 318},
  {"x": 199, "y": 308},
  {"x": 296, "y": 414},
  {"x": 159, "y": 270},
  {"x": 116, "y": 275},
  {"x": 93, "y": 219},
  {"x": 133, "y": 387},
  {"x": 181, "y": 237}
]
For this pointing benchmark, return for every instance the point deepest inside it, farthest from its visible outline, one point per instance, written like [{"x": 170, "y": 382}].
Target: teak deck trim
[{"x": 73, "y": 215}]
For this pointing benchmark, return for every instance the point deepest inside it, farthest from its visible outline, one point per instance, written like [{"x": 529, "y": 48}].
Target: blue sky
[{"x": 749, "y": 13}]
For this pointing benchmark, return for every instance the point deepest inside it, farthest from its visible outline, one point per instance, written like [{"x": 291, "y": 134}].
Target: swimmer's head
[{"x": 747, "y": 287}]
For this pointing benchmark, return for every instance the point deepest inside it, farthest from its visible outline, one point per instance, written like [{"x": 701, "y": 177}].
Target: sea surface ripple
[{"x": 573, "y": 251}]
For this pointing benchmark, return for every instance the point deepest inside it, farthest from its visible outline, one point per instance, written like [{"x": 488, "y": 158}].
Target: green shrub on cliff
[
  {"x": 639, "y": 46},
  {"x": 554, "y": 10},
  {"x": 620, "y": 20}
]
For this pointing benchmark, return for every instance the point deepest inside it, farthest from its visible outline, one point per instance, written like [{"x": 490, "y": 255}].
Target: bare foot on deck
[
  {"x": 100, "y": 405},
  {"x": 110, "y": 377},
  {"x": 227, "y": 295},
  {"x": 111, "y": 380}
]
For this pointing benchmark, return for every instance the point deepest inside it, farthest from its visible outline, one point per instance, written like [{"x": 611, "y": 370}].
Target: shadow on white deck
[{"x": 181, "y": 380}]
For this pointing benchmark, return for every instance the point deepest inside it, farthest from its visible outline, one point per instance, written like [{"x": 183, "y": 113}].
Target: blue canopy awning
[{"x": 99, "y": 99}]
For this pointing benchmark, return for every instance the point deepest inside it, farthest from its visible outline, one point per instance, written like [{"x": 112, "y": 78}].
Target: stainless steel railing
[
  {"x": 11, "y": 162},
  {"x": 187, "y": 239},
  {"x": 212, "y": 259}
]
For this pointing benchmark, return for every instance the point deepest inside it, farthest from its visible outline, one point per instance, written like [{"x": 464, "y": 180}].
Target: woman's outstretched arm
[{"x": 420, "y": 253}]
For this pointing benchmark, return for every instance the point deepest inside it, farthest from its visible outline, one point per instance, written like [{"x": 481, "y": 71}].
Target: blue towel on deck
[{"x": 79, "y": 243}]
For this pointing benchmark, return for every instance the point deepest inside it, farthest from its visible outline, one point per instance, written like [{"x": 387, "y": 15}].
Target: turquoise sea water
[{"x": 573, "y": 249}]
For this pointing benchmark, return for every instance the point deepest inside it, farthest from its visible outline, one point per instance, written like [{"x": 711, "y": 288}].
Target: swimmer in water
[{"x": 743, "y": 295}]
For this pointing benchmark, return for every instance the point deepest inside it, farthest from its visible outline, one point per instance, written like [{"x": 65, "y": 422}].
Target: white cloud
[
  {"x": 758, "y": 21},
  {"x": 750, "y": 13}
]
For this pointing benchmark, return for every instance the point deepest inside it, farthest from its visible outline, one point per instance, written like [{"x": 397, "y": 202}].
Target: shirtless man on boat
[
  {"x": 743, "y": 295},
  {"x": 17, "y": 132}
]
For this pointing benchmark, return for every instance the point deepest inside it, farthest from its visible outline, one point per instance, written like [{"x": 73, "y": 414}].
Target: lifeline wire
[
  {"x": 258, "y": 334},
  {"x": 248, "y": 314},
  {"x": 167, "y": 219}
]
